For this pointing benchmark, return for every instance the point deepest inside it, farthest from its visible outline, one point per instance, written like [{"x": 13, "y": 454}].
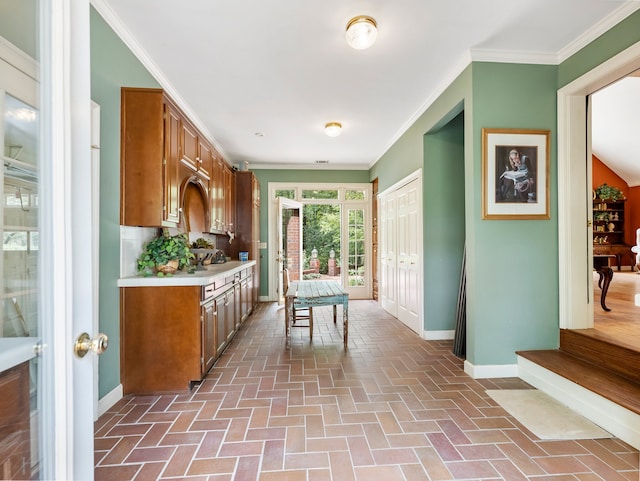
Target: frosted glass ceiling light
[
  {"x": 333, "y": 129},
  {"x": 361, "y": 32}
]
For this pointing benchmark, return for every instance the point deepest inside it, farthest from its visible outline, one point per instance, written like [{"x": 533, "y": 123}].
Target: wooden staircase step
[
  {"x": 600, "y": 349},
  {"x": 601, "y": 380}
]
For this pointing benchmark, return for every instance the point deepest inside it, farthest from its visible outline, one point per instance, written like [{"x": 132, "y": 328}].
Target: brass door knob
[{"x": 85, "y": 344}]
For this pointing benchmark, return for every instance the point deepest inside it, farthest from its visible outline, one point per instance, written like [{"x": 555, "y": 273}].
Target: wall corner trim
[
  {"x": 490, "y": 371},
  {"x": 438, "y": 335},
  {"x": 110, "y": 399}
]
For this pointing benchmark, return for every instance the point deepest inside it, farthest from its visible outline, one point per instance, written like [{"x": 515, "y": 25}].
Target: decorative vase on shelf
[{"x": 611, "y": 226}]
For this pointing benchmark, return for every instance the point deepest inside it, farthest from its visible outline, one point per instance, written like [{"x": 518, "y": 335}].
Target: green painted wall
[
  {"x": 112, "y": 66},
  {"x": 444, "y": 232},
  {"x": 512, "y": 264},
  {"x": 612, "y": 42},
  {"x": 276, "y": 175}
]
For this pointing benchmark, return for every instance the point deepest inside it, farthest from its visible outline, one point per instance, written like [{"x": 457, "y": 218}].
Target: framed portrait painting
[{"x": 515, "y": 174}]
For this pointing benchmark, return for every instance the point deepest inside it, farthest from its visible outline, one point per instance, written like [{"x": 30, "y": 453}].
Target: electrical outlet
[{"x": 263, "y": 245}]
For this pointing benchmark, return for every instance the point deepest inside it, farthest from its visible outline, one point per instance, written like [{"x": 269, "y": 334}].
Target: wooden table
[
  {"x": 317, "y": 293},
  {"x": 604, "y": 270}
]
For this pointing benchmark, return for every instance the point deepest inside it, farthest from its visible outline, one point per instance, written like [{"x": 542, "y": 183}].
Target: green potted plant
[
  {"x": 605, "y": 192},
  {"x": 165, "y": 254}
]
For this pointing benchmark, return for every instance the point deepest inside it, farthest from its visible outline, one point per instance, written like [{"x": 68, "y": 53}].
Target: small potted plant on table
[{"x": 165, "y": 254}]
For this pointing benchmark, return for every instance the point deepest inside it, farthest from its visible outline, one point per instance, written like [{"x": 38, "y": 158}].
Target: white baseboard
[
  {"x": 109, "y": 400},
  {"x": 610, "y": 416},
  {"x": 489, "y": 371},
  {"x": 438, "y": 335}
]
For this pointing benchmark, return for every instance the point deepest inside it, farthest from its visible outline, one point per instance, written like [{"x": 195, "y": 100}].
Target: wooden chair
[{"x": 299, "y": 312}]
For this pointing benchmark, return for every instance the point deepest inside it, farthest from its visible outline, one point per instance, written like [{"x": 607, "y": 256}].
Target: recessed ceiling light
[
  {"x": 332, "y": 129},
  {"x": 362, "y": 32}
]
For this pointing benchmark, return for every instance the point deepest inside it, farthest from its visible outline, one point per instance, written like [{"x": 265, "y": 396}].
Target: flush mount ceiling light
[
  {"x": 333, "y": 129},
  {"x": 361, "y": 32}
]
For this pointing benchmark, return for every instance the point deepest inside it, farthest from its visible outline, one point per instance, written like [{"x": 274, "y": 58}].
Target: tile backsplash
[{"x": 132, "y": 240}]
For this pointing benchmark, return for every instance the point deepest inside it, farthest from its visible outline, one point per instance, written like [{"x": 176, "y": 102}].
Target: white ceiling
[
  {"x": 282, "y": 68},
  {"x": 616, "y": 127}
]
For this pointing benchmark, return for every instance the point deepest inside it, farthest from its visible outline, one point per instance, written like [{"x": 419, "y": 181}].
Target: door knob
[{"x": 85, "y": 344}]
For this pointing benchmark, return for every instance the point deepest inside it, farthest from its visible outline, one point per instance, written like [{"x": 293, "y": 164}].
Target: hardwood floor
[{"x": 622, "y": 323}]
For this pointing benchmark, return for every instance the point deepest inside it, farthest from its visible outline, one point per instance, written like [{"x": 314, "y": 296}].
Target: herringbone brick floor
[{"x": 391, "y": 408}]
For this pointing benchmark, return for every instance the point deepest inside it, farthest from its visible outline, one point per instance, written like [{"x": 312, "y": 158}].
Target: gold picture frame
[{"x": 515, "y": 174}]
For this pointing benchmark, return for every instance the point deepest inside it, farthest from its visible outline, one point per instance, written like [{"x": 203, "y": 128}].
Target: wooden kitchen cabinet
[
  {"x": 229, "y": 199},
  {"x": 172, "y": 177},
  {"x": 171, "y": 336},
  {"x": 205, "y": 161},
  {"x": 217, "y": 195},
  {"x": 149, "y": 194},
  {"x": 209, "y": 335},
  {"x": 189, "y": 138},
  {"x": 161, "y": 336},
  {"x": 247, "y": 223},
  {"x": 15, "y": 422},
  {"x": 196, "y": 154},
  {"x": 160, "y": 152}
]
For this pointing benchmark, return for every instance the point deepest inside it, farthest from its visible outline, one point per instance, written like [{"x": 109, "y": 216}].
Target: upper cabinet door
[
  {"x": 190, "y": 146},
  {"x": 204, "y": 160},
  {"x": 171, "y": 209}
]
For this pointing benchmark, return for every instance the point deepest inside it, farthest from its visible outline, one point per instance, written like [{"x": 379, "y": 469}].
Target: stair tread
[
  {"x": 602, "y": 351},
  {"x": 601, "y": 380}
]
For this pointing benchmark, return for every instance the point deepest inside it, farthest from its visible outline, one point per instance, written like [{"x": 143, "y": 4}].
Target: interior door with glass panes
[
  {"x": 45, "y": 226},
  {"x": 289, "y": 242}
]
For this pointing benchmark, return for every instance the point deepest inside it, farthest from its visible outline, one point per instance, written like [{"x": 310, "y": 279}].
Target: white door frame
[
  {"x": 66, "y": 383},
  {"x": 575, "y": 247},
  {"x": 272, "y": 207},
  {"x": 284, "y": 203},
  {"x": 390, "y": 304}
]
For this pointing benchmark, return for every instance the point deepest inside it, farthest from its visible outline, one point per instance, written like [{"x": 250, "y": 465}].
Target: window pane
[
  {"x": 354, "y": 195},
  {"x": 287, "y": 194},
  {"x": 356, "y": 256},
  {"x": 15, "y": 241},
  {"x": 319, "y": 194},
  {"x": 321, "y": 240}
]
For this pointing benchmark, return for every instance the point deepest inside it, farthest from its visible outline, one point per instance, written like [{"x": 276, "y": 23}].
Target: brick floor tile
[{"x": 391, "y": 407}]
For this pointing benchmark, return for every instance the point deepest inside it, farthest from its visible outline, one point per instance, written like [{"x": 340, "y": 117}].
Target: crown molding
[
  {"x": 503, "y": 56},
  {"x": 513, "y": 56},
  {"x": 601, "y": 27},
  {"x": 281, "y": 166}
]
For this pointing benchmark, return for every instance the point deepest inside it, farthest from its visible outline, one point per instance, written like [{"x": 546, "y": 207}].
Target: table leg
[
  {"x": 605, "y": 275},
  {"x": 335, "y": 313},
  {"x": 345, "y": 322},
  {"x": 288, "y": 314}
]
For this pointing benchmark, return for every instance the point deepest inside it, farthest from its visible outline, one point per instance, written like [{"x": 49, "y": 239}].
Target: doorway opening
[
  {"x": 575, "y": 236},
  {"x": 323, "y": 232}
]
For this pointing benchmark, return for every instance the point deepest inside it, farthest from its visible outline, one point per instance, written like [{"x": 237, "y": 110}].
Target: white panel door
[
  {"x": 408, "y": 256},
  {"x": 388, "y": 274}
]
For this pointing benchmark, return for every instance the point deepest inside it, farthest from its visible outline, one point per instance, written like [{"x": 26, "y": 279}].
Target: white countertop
[
  {"x": 182, "y": 278},
  {"x": 16, "y": 350}
]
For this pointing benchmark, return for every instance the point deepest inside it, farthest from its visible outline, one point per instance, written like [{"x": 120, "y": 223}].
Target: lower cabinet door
[
  {"x": 209, "y": 343},
  {"x": 221, "y": 323}
]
